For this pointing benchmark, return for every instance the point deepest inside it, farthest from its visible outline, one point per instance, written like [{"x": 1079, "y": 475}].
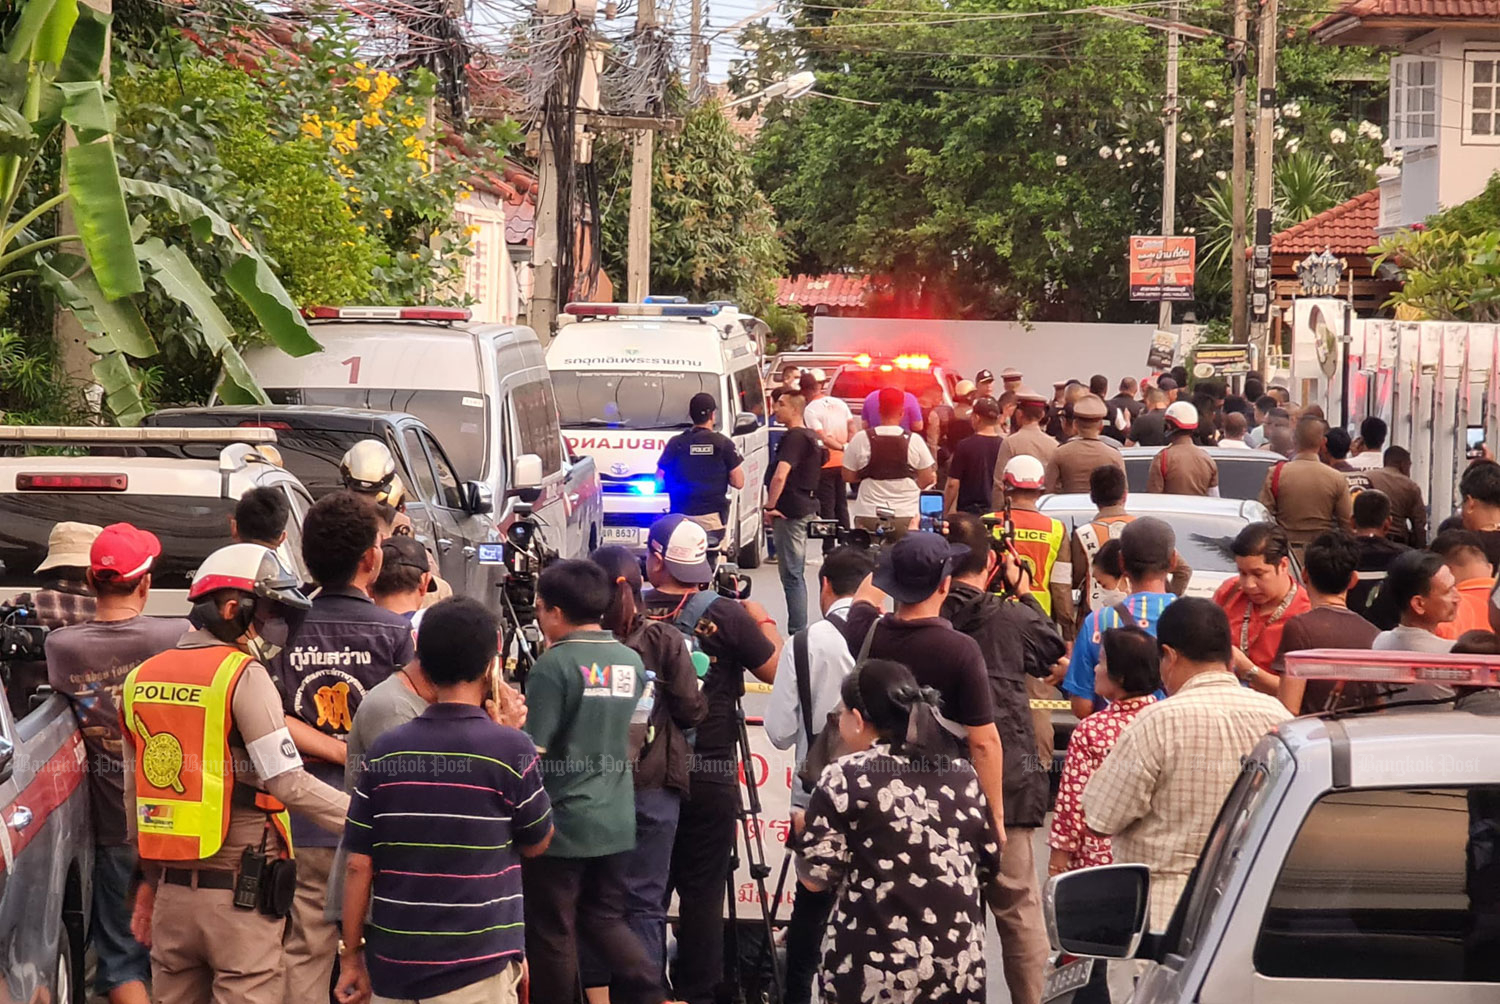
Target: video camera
[
  {"x": 831, "y": 529},
  {"x": 1002, "y": 530},
  {"x": 523, "y": 556}
]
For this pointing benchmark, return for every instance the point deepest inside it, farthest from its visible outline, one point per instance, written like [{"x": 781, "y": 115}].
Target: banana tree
[{"x": 51, "y": 79}]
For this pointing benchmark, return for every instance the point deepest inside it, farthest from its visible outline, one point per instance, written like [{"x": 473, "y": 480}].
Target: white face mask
[{"x": 1112, "y": 597}]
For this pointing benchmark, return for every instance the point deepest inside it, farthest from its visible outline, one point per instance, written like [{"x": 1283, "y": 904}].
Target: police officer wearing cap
[
  {"x": 1074, "y": 462},
  {"x": 1029, "y": 440},
  {"x": 210, "y": 769},
  {"x": 1183, "y": 468},
  {"x": 984, "y": 384},
  {"x": 699, "y": 466}
]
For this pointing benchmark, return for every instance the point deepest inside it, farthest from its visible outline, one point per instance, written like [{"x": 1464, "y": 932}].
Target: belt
[{"x": 198, "y": 878}]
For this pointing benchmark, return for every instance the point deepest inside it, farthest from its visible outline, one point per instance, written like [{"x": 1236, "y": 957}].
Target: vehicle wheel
[
  {"x": 749, "y": 553},
  {"x": 68, "y": 988}
]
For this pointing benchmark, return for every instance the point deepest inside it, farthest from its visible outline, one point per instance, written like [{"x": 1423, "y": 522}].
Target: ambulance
[{"x": 624, "y": 374}]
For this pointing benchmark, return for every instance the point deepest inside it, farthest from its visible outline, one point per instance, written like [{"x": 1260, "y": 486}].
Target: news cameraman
[
  {"x": 1018, "y": 640},
  {"x": 735, "y": 635}
]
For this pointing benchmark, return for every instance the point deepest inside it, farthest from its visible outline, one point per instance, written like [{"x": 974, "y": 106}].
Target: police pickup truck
[{"x": 1355, "y": 859}]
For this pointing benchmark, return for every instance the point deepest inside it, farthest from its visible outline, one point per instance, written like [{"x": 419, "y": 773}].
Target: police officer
[
  {"x": 1010, "y": 380},
  {"x": 1183, "y": 468},
  {"x": 699, "y": 466},
  {"x": 1040, "y": 541},
  {"x": 984, "y": 384},
  {"x": 1306, "y": 497},
  {"x": 1029, "y": 440},
  {"x": 210, "y": 769},
  {"x": 1074, "y": 462},
  {"x": 368, "y": 468}
]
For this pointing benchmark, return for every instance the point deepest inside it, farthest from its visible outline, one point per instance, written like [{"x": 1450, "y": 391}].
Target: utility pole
[
  {"x": 1265, "y": 145},
  {"x": 541, "y": 311},
  {"x": 638, "y": 251},
  {"x": 1239, "y": 269},
  {"x": 1169, "y": 153},
  {"x": 695, "y": 54}
]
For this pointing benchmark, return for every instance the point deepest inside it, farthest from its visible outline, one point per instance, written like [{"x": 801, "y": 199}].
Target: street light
[{"x": 791, "y": 88}]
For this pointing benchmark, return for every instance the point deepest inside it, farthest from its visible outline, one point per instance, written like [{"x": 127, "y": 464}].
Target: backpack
[
  {"x": 686, "y": 620},
  {"x": 822, "y": 738}
]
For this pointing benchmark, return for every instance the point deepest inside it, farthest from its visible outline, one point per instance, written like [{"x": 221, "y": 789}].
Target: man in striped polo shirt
[{"x": 444, "y": 809}]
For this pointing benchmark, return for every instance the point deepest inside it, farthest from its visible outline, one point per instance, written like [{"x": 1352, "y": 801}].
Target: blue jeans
[
  {"x": 791, "y": 561},
  {"x": 122, "y": 959},
  {"x": 645, "y": 874}
]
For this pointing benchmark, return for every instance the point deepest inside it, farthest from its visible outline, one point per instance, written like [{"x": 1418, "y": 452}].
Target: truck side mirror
[
  {"x": 7, "y": 759},
  {"x": 478, "y": 498},
  {"x": 1100, "y": 913},
  {"x": 526, "y": 484},
  {"x": 745, "y": 423}
]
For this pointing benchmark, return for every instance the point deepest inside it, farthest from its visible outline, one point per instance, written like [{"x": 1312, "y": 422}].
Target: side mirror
[
  {"x": 745, "y": 423},
  {"x": 7, "y": 759},
  {"x": 1101, "y": 912},
  {"x": 526, "y": 484},
  {"x": 478, "y": 498}
]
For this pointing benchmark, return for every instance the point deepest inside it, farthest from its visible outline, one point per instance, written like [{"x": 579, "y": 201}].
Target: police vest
[
  {"x": 176, "y": 712},
  {"x": 1039, "y": 540},
  {"x": 889, "y": 458},
  {"x": 1092, "y": 536}
]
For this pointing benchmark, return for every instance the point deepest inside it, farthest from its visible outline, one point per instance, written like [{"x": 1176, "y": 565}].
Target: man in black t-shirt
[
  {"x": 1372, "y": 523},
  {"x": 916, "y": 572},
  {"x": 971, "y": 473},
  {"x": 699, "y": 467},
  {"x": 736, "y": 635},
  {"x": 1150, "y": 427},
  {"x": 792, "y": 501},
  {"x": 1124, "y": 409}
]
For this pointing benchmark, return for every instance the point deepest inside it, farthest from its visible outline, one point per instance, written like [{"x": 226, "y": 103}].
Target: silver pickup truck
[{"x": 1356, "y": 858}]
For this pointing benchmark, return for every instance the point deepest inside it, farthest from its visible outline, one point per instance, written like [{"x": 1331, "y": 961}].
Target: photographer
[
  {"x": 915, "y": 571},
  {"x": 1017, "y": 640},
  {"x": 735, "y": 635}
]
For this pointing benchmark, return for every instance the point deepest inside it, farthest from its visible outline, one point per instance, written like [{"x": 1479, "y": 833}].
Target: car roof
[
  {"x": 295, "y": 415},
  {"x": 1152, "y": 504},
  {"x": 1217, "y": 452},
  {"x": 190, "y": 477},
  {"x": 1402, "y": 747}
]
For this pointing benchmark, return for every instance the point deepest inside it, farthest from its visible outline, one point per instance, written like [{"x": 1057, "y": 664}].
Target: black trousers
[
  {"x": 571, "y": 897},
  {"x": 804, "y": 941},
  {"x": 700, "y": 877},
  {"x": 833, "y": 500}
]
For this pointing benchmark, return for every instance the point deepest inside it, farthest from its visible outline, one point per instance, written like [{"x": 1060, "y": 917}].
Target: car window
[
  {"x": 1238, "y": 478},
  {"x": 448, "y": 494},
  {"x": 535, "y": 410},
  {"x": 292, "y": 548},
  {"x": 426, "y": 486},
  {"x": 631, "y": 399},
  {"x": 1202, "y": 540},
  {"x": 858, "y": 382},
  {"x": 1391, "y": 885},
  {"x": 751, "y": 395}
]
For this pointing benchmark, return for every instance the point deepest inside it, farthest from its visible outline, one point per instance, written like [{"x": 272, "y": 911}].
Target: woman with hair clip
[{"x": 905, "y": 837}]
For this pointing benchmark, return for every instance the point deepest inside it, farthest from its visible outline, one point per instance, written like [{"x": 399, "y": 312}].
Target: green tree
[{"x": 1450, "y": 266}]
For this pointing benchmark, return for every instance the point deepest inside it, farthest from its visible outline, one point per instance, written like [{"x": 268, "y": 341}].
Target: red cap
[{"x": 124, "y": 552}]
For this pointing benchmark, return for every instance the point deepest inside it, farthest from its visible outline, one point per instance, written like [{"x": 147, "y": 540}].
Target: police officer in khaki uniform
[
  {"x": 1183, "y": 468},
  {"x": 1029, "y": 440},
  {"x": 1074, "y": 462},
  {"x": 1306, "y": 496}
]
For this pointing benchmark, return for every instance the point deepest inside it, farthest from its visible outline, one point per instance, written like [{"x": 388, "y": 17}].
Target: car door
[
  {"x": 584, "y": 502},
  {"x": 438, "y": 492},
  {"x": 532, "y": 410}
]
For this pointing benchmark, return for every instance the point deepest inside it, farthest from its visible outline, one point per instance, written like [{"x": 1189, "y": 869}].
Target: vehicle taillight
[
  {"x": 389, "y": 313},
  {"x": 72, "y": 482},
  {"x": 1394, "y": 667},
  {"x": 280, "y": 426}
]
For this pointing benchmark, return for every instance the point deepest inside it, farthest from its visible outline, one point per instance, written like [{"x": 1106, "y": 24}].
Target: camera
[
  {"x": 831, "y": 529},
  {"x": 523, "y": 556},
  {"x": 729, "y": 583},
  {"x": 22, "y": 637}
]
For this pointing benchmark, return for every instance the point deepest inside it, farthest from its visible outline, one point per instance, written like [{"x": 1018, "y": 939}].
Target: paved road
[{"x": 766, "y": 588}]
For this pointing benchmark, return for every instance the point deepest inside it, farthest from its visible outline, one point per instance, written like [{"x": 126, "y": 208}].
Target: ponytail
[{"x": 888, "y": 697}]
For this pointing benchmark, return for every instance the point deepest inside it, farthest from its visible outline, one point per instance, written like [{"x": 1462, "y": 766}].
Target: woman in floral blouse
[
  {"x": 905, "y": 837},
  {"x": 1129, "y": 672}
]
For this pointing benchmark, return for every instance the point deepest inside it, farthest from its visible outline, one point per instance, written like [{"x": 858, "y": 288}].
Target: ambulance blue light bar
[
  {"x": 641, "y": 309},
  {"x": 645, "y": 484}
]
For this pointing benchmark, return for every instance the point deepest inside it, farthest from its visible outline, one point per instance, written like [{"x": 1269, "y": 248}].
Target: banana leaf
[
  {"x": 84, "y": 57},
  {"x": 171, "y": 269},
  {"x": 39, "y": 18},
  {"x": 87, "y": 109},
  {"x": 122, "y": 391},
  {"x": 99, "y": 211},
  {"x": 250, "y": 276},
  {"x": 118, "y": 323}
]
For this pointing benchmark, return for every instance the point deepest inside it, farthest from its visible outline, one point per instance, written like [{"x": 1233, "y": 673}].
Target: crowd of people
[{"x": 459, "y": 840}]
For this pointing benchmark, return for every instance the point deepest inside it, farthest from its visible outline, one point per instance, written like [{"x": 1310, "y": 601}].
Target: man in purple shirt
[{"x": 911, "y": 414}]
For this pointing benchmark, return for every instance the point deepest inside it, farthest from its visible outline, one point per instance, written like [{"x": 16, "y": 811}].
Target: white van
[
  {"x": 624, "y": 374},
  {"x": 482, "y": 389}
]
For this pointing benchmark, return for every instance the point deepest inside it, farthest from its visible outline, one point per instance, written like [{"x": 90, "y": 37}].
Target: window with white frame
[
  {"x": 1482, "y": 95},
  {"x": 1414, "y": 97}
]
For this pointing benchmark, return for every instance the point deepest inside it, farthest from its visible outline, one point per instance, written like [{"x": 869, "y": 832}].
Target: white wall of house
[
  {"x": 1445, "y": 119},
  {"x": 489, "y": 277}
]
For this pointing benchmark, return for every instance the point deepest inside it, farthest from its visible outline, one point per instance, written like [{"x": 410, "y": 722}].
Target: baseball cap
[
  {"x": 984, "y": 376},
  {"x": 68, "y": 545},
  {"x": 683, "y": 546},
  {"x": 1182, "y": 414},
  {"x": 987, "y": 407},
  {"x": 1147, "y": 541},
  {"x": 1025, "y": 471},
  {"x": 913, "y": 567},
  {"x": 701, "y": 406},
  {"x": 123, "y": 552},
  {"x": 1166, "y": 383},
  {"x": 408, "y": 551},
  {"x": 810, "y": 381}
]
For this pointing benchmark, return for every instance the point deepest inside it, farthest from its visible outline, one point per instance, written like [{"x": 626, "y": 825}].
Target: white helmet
[
  {"x": 1182, "y": 416},
  {"x": 274, "y": 602},
  {"x": 368, "y": 467},
  {"x": 1025, "y": 472}
]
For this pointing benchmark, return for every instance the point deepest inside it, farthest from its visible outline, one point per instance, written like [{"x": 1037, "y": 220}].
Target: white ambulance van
[{"x": 624, "y": 374}]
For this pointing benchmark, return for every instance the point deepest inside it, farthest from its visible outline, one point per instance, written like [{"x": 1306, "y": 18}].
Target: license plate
[
  {"x": 626, "y": 534},
  {"x": 1067, "y": 979}
]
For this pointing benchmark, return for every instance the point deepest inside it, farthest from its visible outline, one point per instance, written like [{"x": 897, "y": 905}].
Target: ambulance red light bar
[
  {"x": 1362, "y": 666},
  {"x": 72, "y": 482},
  {"x": 642, "y": 309},
  {"x": 389, "y": 313}
]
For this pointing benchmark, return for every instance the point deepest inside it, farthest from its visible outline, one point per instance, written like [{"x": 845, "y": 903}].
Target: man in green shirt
[{"x": 580, "y": 698}]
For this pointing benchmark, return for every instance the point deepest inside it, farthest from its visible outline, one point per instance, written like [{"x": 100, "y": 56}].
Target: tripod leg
[{"x": 755, "y": 854}]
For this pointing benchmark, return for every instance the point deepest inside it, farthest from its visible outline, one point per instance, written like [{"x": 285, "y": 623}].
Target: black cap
[
  {"x": 984, "y": 376},
  {"x": 701, "y": 406},
  {"x": 1147, "y": 541},
  {"x": 987, "y": 407},
  {"x": 1166, "y": 383},
  {"x": 912, "y": 568}
]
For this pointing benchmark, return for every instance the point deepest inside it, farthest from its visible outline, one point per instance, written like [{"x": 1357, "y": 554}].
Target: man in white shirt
[
  {"x": 1235, "y": 430},
  {"x": 891, "y": 467},
  {"x": 831, "y": 419},
  {"x": 825, "y": 661},
  {"x": 1369, "y": 445}
]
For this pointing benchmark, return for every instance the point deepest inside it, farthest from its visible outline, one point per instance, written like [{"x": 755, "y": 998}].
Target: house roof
[
  {"x": 1395, "y": 22},
  {"x": 835, "y": 289},
  {"x": 1346, "y": 229}
]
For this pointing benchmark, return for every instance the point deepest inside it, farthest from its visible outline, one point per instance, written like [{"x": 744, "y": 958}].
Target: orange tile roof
[
  {"x": 1347, "y": 229},
  {"x": 832, "y": 290},
  {"x": 1423, "y": 9}
]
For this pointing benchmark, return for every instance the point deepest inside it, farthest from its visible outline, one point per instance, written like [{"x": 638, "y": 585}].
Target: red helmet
[{"x": 251, "y": 569}]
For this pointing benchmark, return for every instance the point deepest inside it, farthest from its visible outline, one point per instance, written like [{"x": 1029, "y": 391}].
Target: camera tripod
[{"x": 748, "y": 824}]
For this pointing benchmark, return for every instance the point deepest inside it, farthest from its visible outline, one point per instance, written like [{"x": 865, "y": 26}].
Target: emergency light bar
[
  {"x": 74, "y": 434},
  {"x": 1362, "y": 666},
  {"x": 388, "y": 313},
  {"x": 902, "y": 362},
  {"x": 645, "y": 484},
  {"x": 647, "y": 309}
]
